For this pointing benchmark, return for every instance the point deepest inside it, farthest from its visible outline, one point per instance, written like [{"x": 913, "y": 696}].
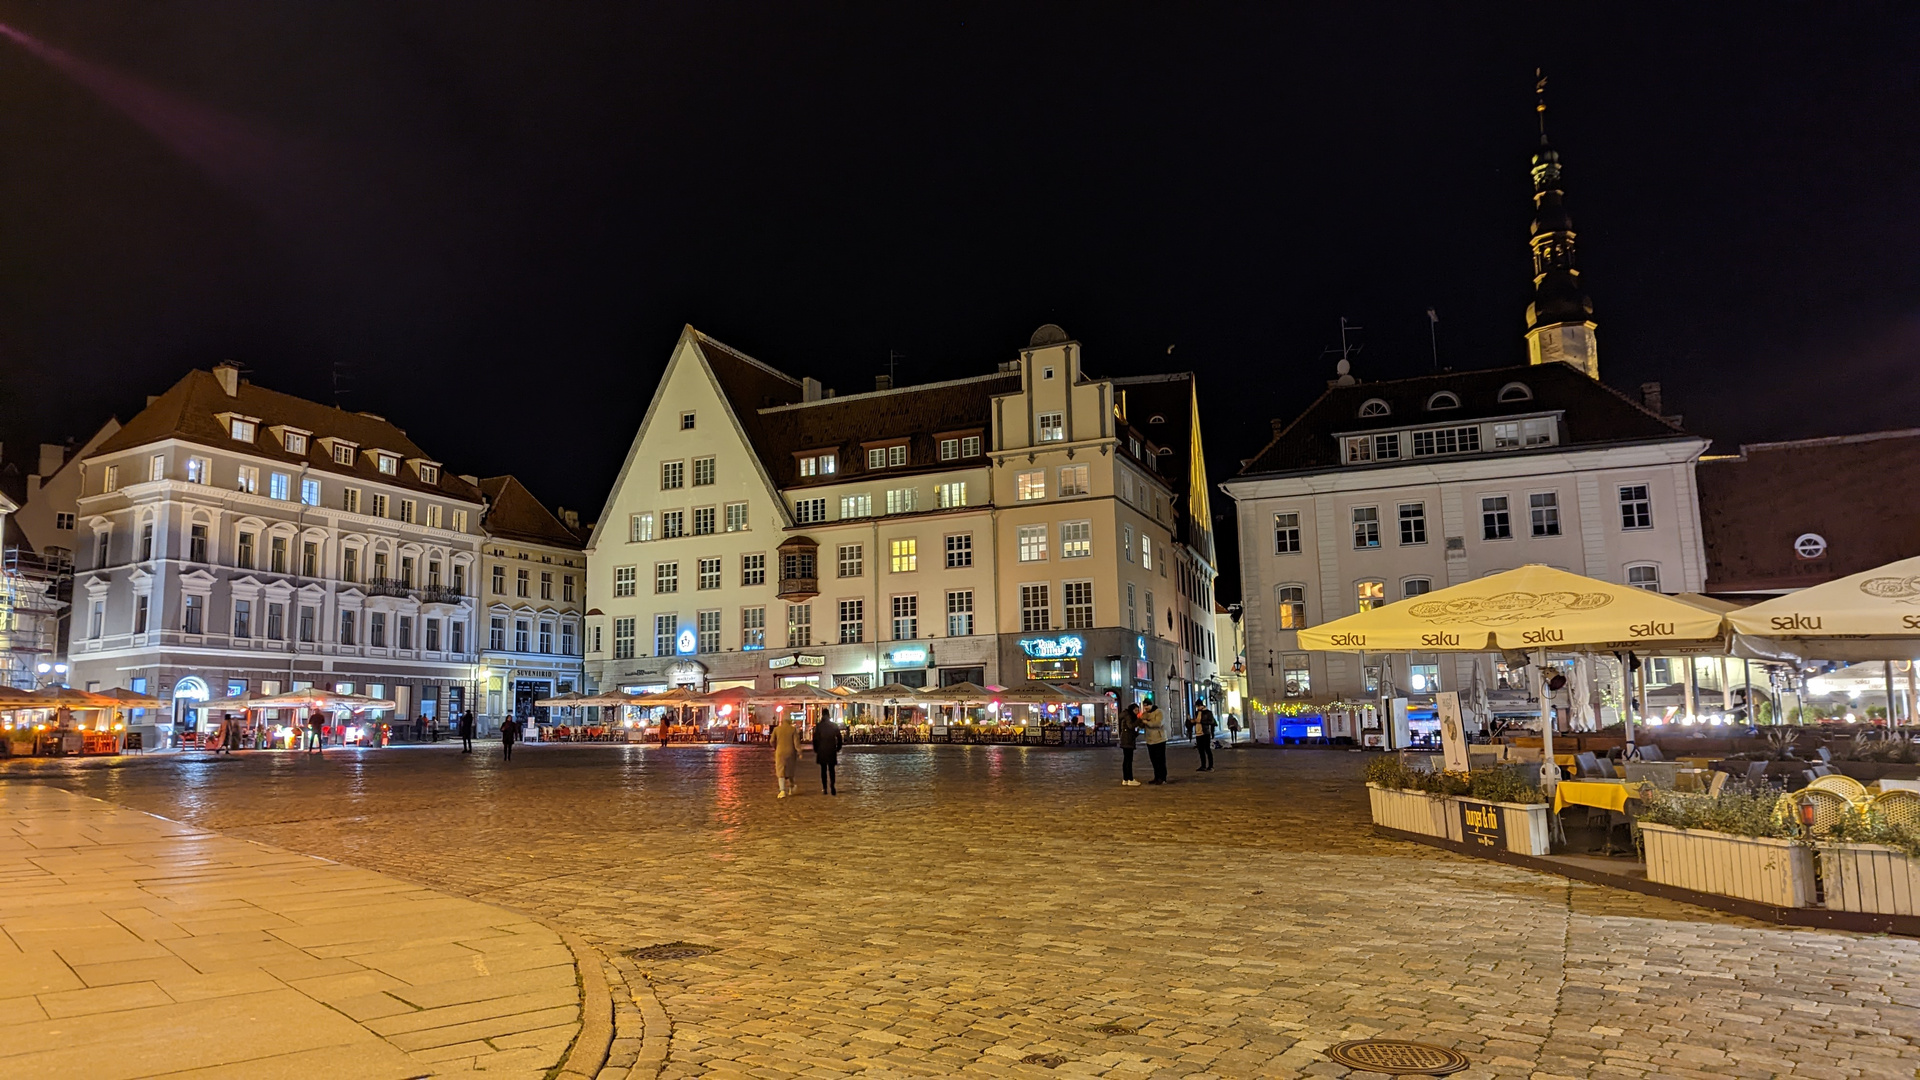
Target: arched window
[
  {"x": 1516, "y": 391},
  {"x": 1415, "y": 586},
  {"x": 1370, "y": 594},
  {"x": 1156, "y": 418},
  {"x": 1293, "y": 606},
  {"x": 1644, "y": 576},
  {"x": 1374, "y": 407},
  {"x": 1445, "y": 399}
]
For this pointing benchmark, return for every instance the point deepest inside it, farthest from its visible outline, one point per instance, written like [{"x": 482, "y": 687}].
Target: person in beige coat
[{"x": 786, "y": 754}]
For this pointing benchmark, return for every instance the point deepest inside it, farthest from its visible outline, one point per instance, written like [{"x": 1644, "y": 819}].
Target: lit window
[
  {"x": 249, "y": 479},
  {"x": 1031, "y": 485},
  {"x": 736, "y": 517},
  {"x": 1033, "y": 543},
  {"x": 389, "y": 464},
  {"x": 350, "y": 500},
  {"x": 1076, "y": 539},
  {"x": 429, "y": 474},
  {"x": 753, "y": 628},
  {"x": 901, "y": 500},
  {"x": 960, "y": 613},
  {"x": 296, "y": 443},
  {"x": 1370, "y": 594},
  {"x": 278, "y": 486},
  {"x": 639, "y": 528},
  {"x": 856, "y": 506},
  {"x": 310, "y": 491},
  {"x": 198, "y": 470},
  {"x": 799, "y": 625},
  {"x": 665, "y": 629},
  {"x": 110, "y": 478},
  {"x": 1292, "y": 600},
  {"x": 342, "y": 453},
  {"x": 905, "y": 555},
  {"x": 1075, "y": 480},
  {"x": 1053, "y": 427},
  {"x": 952, "y": 495},
  {"x": 1506, "y": 436},
  {"x": 243, "y": 431},
  {"x": 1294, "y": 676}
]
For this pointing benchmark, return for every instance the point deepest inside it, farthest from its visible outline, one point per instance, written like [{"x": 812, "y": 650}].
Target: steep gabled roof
[
  {"x": 514, "y": 514},
  {"x": 1164, "y": 408},
  {"x": 1593, "y": 413},
  {"x": 915, "y": 413},
  {"x": 190, "y": 411}
]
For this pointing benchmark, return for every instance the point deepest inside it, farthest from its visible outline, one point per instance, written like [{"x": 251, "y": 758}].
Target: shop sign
[
  {"x": 1481, "y": 823},
  {"x": 687, "y": 643},
  {"x": 910, "y": 657},
  {"x": 1053, "y": 648},
  {"x": 812, "y": 659},
  {"x": 781, "y": 661},
  {"x": 1066, "y": 670}
]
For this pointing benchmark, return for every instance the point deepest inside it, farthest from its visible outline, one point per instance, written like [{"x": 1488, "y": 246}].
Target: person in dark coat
[
  {"x": 1129, "y": 738},
  {"x": 509, "y": 734},
  {"x": 316, "y": 732},
  {"x": 1204, "y": 727},
  {"x": 826, "y": 751},
  {"x": 466, "y": 732}
]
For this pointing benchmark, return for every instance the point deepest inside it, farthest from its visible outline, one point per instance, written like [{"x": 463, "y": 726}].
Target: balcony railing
[
  {"x": 799, "y": 588},
  {"x": 441, "y": 594},
  {"x": 386, "y": 586}
]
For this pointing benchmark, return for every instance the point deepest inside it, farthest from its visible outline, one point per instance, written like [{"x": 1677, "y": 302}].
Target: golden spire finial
[{"x": 1540, "y": 99}]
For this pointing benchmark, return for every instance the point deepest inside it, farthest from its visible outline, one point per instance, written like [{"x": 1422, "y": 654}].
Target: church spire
[{"x": 1560, "y": 327}]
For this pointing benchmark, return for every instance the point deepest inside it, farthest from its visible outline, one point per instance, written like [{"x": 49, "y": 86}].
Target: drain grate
[
  {"x": 1397, "y": 1058},
  {"x": 1045, "y": 1061},
  {"x": 672, "y": 950},
  {"x": 1116, "y": 1029}
]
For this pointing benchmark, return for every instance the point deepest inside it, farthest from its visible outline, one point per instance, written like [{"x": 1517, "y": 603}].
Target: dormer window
[
  {"x": 343, "y": 452},
  {"x": 1374, "y": 407},
  {"x": 1156, "y": 419},
  {"x": 242, "y": 430},
  {"x": 887, "y": 457},
  {"x": 1365, "y": 448},
  {"x": 818, "y": 464},
  {"x": 387, "y": 463},
  {"x": 294, "y": 441},
  {"x": 429, "y": 474},
  {"x": 1445, "y": 399},
  {"x": 1516, "y": 391}
]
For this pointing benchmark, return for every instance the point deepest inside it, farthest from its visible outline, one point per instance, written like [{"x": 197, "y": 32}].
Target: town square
[{"x": 624, "y": 541}]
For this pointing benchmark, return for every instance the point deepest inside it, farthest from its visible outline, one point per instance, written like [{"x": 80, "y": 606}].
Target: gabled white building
[{"x": 1020, "y": 524}]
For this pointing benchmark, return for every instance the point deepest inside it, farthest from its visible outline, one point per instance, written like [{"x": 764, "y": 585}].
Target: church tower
[{"x": 1560, "y": 327}]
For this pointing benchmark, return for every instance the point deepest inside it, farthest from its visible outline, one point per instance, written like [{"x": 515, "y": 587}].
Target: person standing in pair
[
  {"x": 466, "y": 732},
  {"x": 826, "y": 751},
  {"x": 786, "y": 754},
  {"x": 509, "y": 734},
  {"x": 1155, "y": 724},
  {"x": 1204, "y": 727},
  {"x": 1129, "y": 738}
]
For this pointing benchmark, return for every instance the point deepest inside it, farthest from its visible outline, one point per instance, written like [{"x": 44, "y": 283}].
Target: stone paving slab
[
  {"x": 133, "y": 946},
  {"x": 957, "y": 909}
]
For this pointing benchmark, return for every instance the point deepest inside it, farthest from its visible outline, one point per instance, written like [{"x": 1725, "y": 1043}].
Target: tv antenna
[
  {"x": 342, "y": 374},
  {"x": 1344, "y": 368}
]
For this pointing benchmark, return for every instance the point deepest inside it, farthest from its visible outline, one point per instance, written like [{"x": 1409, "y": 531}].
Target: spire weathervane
[{"x": 1540, "y": 100}]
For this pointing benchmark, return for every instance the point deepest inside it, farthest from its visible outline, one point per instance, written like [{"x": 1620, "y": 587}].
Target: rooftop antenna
[
  {"x": 342, "y": 374},
  {"x": 1433, "y": 337},
  {"x": 893, "y": 357},
  {"x": 1344, "y": 368},
  {"x": 1540, "y": 100}
]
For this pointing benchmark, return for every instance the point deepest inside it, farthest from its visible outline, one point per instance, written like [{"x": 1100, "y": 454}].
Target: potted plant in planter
[
  {"x": 1734, "y": 845},
  {"x": 1868, "y": 863},
  {"x": 1521, "y": 806},
  {"x": 1413, "y": 800}
]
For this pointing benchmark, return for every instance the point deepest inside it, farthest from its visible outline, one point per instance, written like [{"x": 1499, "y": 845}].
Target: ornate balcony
[
  {"x": 386, "y": 586},
  {"x": 799, "y": 588}
]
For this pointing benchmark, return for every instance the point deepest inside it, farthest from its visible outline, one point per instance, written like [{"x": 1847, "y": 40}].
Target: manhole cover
[
  {"x": 1115, "y": 1029},
  {"x": 672, "y": 950},
  {"x": 1396, "y": 1058},
  {"x": 1045, "y": 1061}
]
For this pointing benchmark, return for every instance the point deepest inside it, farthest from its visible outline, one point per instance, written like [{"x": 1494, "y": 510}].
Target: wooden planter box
[
  {"x": 1414, "y": 812},
  {"x": 1761, "y": 869},
  {"x": 1527, "y": 825},
  {"x": 1869, "y": 877}
]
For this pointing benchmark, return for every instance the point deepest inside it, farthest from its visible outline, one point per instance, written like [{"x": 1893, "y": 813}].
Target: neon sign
[
  {"x": 686, "y": 644},
  {"x": 1066, "y": 646}
]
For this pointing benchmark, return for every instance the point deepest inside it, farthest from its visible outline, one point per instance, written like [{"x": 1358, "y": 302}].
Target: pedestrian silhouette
[
  {"x": 826, "y": 751},
  {"x": 786, "y": 754}
]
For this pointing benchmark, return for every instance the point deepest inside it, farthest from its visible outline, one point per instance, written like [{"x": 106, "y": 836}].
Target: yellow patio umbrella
[
  {"x": 1534, "y": 608},
  {"x": 1872, "y": 615}
]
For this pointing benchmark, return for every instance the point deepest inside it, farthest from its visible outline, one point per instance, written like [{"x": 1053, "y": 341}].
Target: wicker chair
[
  {"x": 1844, "y": 786},
  {"x": 1898, "y": 807},
  {"x": 1830, "y": 808}
]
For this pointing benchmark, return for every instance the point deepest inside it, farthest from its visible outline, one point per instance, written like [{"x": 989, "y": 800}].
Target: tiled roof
[
  {"x": 514, "y": 514},
  {"x": 1755, "y": 505},
  {"x": 768, "y": 404},
  {"x": 1161, "y": 407},
  {"x": 190, "y": 411},
  {"x": 1594, "y": 413}
]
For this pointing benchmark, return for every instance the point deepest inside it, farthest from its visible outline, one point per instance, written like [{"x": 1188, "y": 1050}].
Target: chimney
[
  {"x": 809, "y": 388},
  {"x": 52, "y": 456},
  {"x": 229, "y": 377},
  {"x": 474, "y": 480},
  {"x": 883, "y": 382},
  {"x": 1279, "y": 426},
  {"x": 571, "y": 517},
  {"x": 1650, "y": 397}
]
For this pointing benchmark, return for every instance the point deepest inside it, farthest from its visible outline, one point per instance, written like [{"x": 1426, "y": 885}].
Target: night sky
[{"x": 492, "y": 219}]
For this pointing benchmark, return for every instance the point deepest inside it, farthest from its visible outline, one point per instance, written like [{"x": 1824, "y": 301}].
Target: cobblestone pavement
[
  {"x": 132, "y": 946},
  {"x": 958, "y": 909}
]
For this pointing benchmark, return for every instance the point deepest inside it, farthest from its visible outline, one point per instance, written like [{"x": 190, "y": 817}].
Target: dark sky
[{"x": 496, "y": 216}]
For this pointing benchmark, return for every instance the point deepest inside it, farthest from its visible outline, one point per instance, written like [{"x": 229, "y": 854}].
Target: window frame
[{"x": 1489, "y": 526}]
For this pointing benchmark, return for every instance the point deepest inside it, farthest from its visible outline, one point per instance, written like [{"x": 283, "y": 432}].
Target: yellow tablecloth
[
  {"x": 1565, "y": 761},
  {"x": 1605, "y": 796}
]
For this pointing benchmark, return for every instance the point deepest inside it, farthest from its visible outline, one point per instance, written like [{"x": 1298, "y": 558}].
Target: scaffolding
[{"x": 35, "y": 595}]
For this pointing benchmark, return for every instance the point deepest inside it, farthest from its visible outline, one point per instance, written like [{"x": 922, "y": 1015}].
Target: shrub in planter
[
  {"x": 1868, "y": 863},
  {"x": 1734, "y": 845}
]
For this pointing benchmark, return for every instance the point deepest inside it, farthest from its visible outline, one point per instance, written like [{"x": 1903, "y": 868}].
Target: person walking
[
  {"x": 826, "y": 751},
  {"x": 1204, "y": 726},
  {"x": 466, "y": 732},
  {"x": 1129, "y": 737},
  {"x": 509, "y": 734},
  {"x": 786, "y": 754},
  {"x": 1233, "y": 730},
  {"x": 1156, "y": 729}
]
